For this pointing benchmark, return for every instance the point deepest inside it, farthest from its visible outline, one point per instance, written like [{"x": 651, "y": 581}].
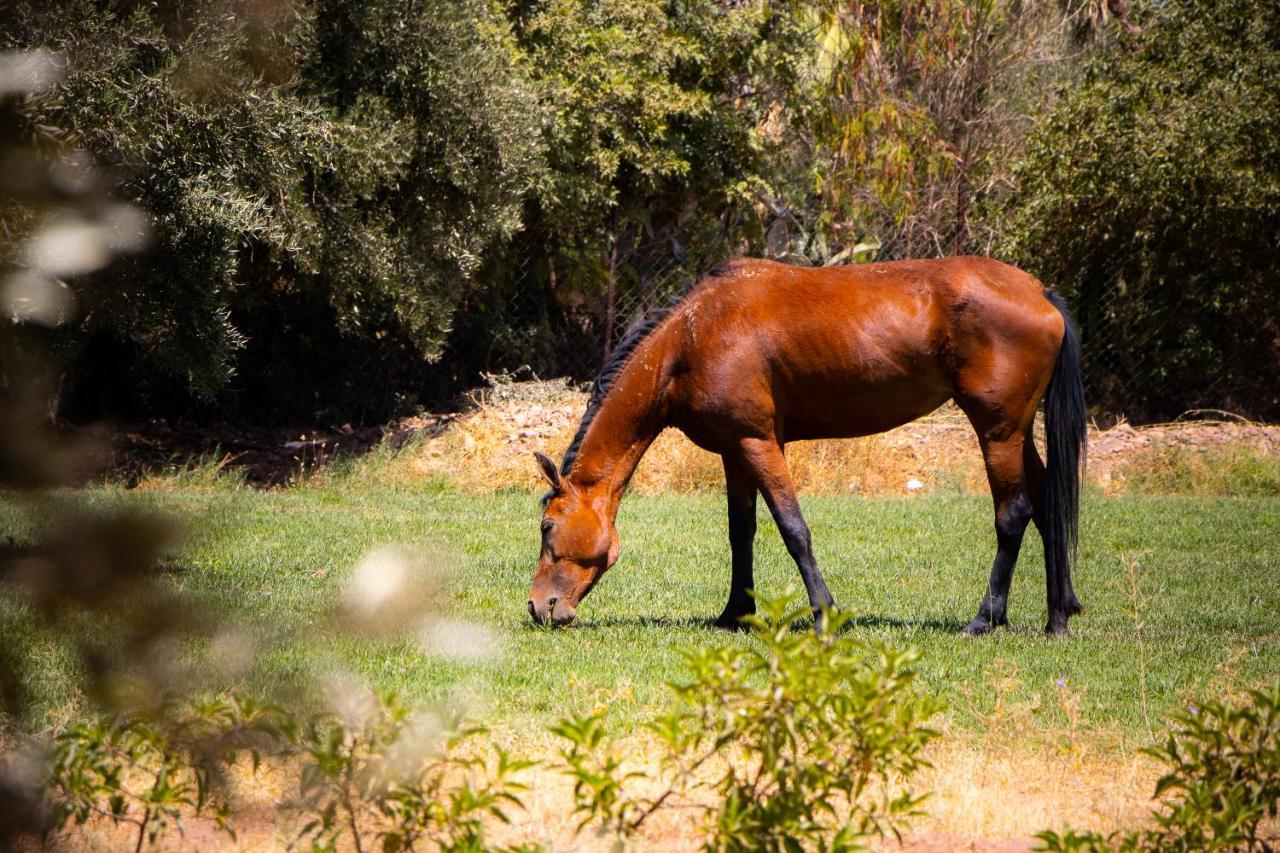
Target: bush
[
  {"x": 1151, "y": 196},
  {"x": 314, "y": 171},
  {"x": 807, "y": 740},
  {"x": 150, "y": 767},
  {"x": 403, "y": 773},
  {"x": 373, "y": 774},
  {"x": 1223, "y": 781}
]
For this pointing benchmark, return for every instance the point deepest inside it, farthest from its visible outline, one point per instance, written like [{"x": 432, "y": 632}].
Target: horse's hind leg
[
  {"x": 1013, "y": 511},
  {"x": 740, "y": 489}
]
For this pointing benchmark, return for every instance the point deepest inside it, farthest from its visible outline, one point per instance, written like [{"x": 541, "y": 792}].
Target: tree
[
  {"x": 663, "y": 123},
  {"x": 308, "y": 166},
  {"x": 924, "y": 103},
  {"x": 1151, "y": 195}
]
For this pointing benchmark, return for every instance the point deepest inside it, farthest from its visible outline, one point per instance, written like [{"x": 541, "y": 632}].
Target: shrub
[
  {"x": 806, "y": 739},
  {"x": 1223, "y": 781},
  {"x": 374, "y": 773},
  {"x": 383, "y": 774},
  {"x": 1151, "y": 195},
  {"x": 317, "y": 173},
  {"x": 147, "y": 767}
]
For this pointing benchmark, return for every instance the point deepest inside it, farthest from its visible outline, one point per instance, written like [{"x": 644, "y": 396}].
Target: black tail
[{"x": 1065, "y": 437}]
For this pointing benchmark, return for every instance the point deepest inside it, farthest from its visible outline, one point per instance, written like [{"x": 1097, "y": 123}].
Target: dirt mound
[
  {"x": 490, "y": 448},
  {"x": 489, "y": 444}
]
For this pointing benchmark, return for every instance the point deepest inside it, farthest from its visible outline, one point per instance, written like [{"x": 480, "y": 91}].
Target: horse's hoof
[
  {"x": 1057, "y": 628},
  {"x": 732, "y": 621},
  {"x": 980, "y": 626}
]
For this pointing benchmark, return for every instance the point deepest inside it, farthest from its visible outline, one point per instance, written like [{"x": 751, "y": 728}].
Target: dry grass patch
[
  {"x": 490, "y": 449},
  {"x": 981, "y": 798}
]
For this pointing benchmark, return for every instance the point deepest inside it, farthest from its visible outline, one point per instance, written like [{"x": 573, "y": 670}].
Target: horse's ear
[{"x": 549, "y": 469}]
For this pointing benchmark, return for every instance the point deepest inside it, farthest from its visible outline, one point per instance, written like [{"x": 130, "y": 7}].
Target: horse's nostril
[
  {"x": 533, "y": 611},
  {"x": 551, "y": 605}
]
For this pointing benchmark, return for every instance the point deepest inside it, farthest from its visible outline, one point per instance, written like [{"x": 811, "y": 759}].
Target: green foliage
[
  {"x": 1223, "y": 781},
  {"x": 1151, "y": 195},
  {"x": 668, "y": 127},
  {"x": 916, "y": 123},
  {"x": 152, "y": 767},
  {"x": 651, "y": 101},
  {"x": 806, "y": 739},
  {"x": 334, "y": 185},
  {"x": 363, "y": 155},
  {"x": 405, "y": 773},
  {"x": 377, "y": 774}
]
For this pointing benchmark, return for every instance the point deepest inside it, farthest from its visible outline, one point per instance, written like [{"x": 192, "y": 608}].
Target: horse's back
[
  {"x": 854, "y": 350},
  {"x": 896, "y": 308}
]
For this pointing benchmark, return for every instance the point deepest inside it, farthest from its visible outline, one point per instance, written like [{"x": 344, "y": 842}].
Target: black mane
[{"x": 617, "y": 360}]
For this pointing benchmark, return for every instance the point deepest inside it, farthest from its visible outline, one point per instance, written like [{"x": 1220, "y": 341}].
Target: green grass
[
  {"x": 1207, "y": 575},
  {"x": 1234, "y": 469}
]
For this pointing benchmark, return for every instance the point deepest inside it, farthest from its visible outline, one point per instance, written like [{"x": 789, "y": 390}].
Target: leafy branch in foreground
[
  {"x": 373, "y": 773},
  {"x": 148, "y": 768},
  {"x": 381, "y": 773},
  {"x": 805, "y": 740},
  {"x": 1223, "y": 782}
]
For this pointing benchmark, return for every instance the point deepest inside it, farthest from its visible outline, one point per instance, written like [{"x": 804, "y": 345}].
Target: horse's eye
[{"x": 546, "y": 527}]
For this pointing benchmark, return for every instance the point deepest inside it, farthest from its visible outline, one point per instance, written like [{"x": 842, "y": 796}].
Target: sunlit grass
[{"x": 1205, "y": 572}]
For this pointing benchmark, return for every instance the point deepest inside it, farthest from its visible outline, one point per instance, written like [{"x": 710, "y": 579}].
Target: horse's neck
[{"x": 630, "y": 417}]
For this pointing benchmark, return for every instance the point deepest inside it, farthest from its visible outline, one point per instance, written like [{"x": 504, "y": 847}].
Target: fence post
[{"x": 611, "y": 286}]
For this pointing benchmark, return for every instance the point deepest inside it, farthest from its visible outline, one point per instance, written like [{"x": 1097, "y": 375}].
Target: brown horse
[{"x": 758, "y": 354}]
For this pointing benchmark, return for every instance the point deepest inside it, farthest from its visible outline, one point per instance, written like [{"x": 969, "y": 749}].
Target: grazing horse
[{"x": 758, "y": 354}]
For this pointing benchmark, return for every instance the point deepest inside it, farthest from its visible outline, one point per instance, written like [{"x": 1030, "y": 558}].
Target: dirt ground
[
  {"x": 487, "y": 446},
  {"x": 985, "y": 797}
]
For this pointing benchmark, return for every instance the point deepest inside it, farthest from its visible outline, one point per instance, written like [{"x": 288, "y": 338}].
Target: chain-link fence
[
  {"x": 554, "y": 326},
  {"x": 557, "y": 320}
]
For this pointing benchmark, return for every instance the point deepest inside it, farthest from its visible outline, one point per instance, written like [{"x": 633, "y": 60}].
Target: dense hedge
[
  {"x": 358, "y": 205},
  {"x": 341, "y": 165},
  {"x": 1151, "y": 195}
]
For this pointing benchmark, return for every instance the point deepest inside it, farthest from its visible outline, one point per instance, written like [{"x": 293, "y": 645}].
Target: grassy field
[{"x": 1182, "y": 600}]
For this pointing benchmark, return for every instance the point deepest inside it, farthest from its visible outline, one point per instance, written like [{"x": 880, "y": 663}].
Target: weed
[
  {"x": 1233, "y": 469},
  {"x": 809, "y": 740},
  {"x": 149, "y": 767},
  {"x": 379, "y": 775},
  {"x": 1223, "y": 782}
]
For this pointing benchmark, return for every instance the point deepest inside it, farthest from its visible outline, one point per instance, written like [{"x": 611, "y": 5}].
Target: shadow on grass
[
  {"x": 708, "y": 623},
  {"x": 606, "y": 622},
  {"x": 937, "y": 626}
]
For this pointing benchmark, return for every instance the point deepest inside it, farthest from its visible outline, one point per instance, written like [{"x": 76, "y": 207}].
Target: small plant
[
  {"x": 380, "y": 775},
  {"x": 374, "y": 775},
  {"x": 150, "y": 767},
  {"x": 1223, "y": 782},
  {"x": 805, "y": 739}
]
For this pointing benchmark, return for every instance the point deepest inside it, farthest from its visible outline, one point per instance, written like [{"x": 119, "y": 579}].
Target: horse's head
[{"x": 579, "y": 543}]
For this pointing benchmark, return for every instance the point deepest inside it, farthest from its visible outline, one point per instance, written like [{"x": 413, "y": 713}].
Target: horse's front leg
[
  {"x": 769, "y": 467},
  {"x": 740, "y": 488}
]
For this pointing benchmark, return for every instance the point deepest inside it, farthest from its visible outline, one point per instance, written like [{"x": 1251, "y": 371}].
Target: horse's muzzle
[{"x": 553, "y": 611}]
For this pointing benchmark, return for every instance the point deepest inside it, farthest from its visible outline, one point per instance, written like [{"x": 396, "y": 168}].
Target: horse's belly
[{"x": 850, "y": 411}]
